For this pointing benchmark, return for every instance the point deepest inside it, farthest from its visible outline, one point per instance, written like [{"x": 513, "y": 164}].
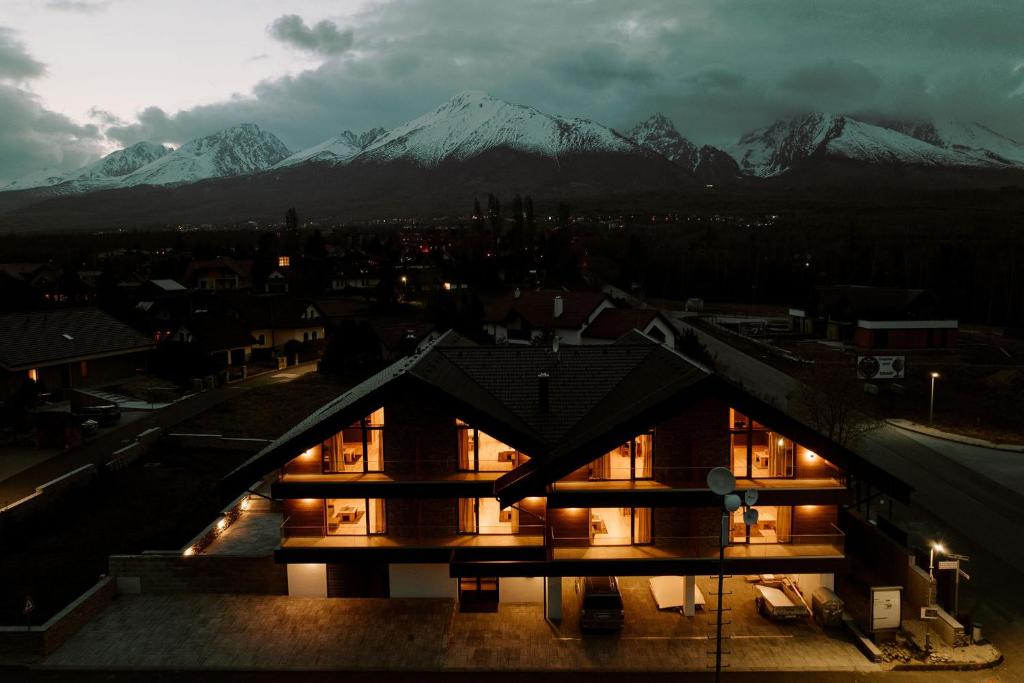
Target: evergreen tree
[
  {"x": 291, "y": 219},
  {"x": 494, "y": 213},
  {"x": 316, "y": 247},
  {"x": 478, "y": 215},
  {"x": 563, "y": 214}
]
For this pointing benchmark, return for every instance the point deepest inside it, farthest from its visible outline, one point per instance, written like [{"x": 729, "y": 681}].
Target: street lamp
[
  {"x": 935, "y": 548},
  {"x": 931, "y": 399}
]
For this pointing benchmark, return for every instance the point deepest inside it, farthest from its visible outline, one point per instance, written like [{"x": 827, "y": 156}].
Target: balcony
[
  {"x": 401, "y": 479},
  {"x": 686, "y": 486},
  {"x": 428, "y": 544}
]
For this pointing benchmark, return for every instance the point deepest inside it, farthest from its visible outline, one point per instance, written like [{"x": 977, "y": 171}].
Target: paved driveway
[{"x": 276, "y": 632}]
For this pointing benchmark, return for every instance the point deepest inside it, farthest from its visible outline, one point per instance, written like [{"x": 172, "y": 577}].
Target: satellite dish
[
  {"x": 750, "y": 497},
  {"x": 721, "y": 481},
  {"x": 732, "y": 502},
  {"x": 750, "y": 517}
]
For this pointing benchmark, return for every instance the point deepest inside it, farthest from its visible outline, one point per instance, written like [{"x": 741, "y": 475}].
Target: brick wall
[
  {"x": 571, "y": 526},
  {"x": 419, "y": 438},
  {"x": 813, "y": 520},
  {"x": 159, "y": 573},
  {"x": 304, "y": 517},
  {"x": 430, "y": 517},
  {"x": 690, "y": 443}
]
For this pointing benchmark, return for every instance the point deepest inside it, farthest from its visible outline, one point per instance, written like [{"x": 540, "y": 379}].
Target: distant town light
[
  {"x": 447, "y": 286},
  {"x": 404, "y": 279}
]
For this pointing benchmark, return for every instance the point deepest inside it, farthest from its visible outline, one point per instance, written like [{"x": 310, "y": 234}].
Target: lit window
[
  {"x": 33, "y": 375},
  {"x": 481, "y": 452},
  {"x": 358, "y": 448},
  {"x": 284, "y": 261}
]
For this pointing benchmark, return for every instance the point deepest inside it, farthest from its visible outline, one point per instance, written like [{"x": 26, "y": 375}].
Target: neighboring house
[
  {"x": 218, "y": 274},
  {"x": 879, "y": 318},
  {"x": 528, "y": 317},
  {"x": 224, "y": 339},
  {"x": 613, "y": 323},
  {"x": 66, "y": 348},
  {"x": 496, "y": 471},
  {"x": 275, "y": 320}
]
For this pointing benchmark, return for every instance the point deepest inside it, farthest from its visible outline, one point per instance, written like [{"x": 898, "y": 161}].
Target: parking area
[{"x": 288, "y": 633}]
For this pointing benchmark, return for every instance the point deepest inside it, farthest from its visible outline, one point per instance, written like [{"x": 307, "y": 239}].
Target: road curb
[{"x": 955, "y": 438}]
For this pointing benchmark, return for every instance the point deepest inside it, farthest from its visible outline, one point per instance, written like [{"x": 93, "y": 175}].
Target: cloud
[
  {"x": 323, "y": 38},
  {"x": 78, "y": 5},
  {"x": 15, "y": 62},
  {"x": 33, "y": 137}
]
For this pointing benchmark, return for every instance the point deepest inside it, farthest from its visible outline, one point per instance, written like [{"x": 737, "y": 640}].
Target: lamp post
[
  {"x": 721, "y": 481},
  {"x": 935, "y": 547},
  {"x": 931, "y": 399}
]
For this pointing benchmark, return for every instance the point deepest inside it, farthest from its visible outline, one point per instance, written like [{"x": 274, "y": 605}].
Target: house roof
[
  {"x": 41, "y": 338},
  {"x": 169, "y": 285},
  {"x": 612, "y": 323},
  {"x": 852, "y": 302},
  {"x": 341, "y": 308},
  {"x": 538, "y": 308},
  {"x": 240, "y": 267},
  {"x": 590, "y": 388}
]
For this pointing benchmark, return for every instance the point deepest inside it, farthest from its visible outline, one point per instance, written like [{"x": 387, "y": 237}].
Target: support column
[
  {"x": 553, "y": 597},
  {"x": 689, "y": 596}
]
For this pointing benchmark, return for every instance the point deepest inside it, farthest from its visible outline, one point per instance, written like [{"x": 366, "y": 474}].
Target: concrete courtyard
[{"x": 286, "y": 633}]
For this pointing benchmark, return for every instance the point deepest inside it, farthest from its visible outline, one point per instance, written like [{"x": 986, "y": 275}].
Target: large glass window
[
  {"x": 620, "y": 526},
  {"x": 485, "y": 516},
  {"x": 481, "y": 452},
  {"x": 632, "y": 460},
  {"x": 356, "y": 516},
  {"x": 756, "y": 451},
  {"x": 357, "y": 448},
  {"x": 774, "y": 525}
]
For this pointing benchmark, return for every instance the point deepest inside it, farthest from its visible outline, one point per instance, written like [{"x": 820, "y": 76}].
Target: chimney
[
  {"x": 543, "y": 401},
  {"x": 558, "y": 306}
]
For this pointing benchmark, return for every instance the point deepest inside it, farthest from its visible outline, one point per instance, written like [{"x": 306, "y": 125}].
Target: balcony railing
[
  {"x": 320, "y": 536},
  {"x": 393, "y": 469},
  {"x": 830, "y": 544},
  {"x": 688, "y": 478}
]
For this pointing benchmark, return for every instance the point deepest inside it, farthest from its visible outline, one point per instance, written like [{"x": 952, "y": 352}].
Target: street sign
[
  {"x": 949, "y": 564},
  {"x": 928, "y": 613},
  {"x": 29, "y": 606},
  {"x": 965, "y": 575},
  {"x": 881, "y": 367}
]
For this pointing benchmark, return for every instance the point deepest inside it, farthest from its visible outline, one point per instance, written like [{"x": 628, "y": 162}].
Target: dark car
[
  {"x": 105, "y": 415},
  {"x": 602, "y": 604}
]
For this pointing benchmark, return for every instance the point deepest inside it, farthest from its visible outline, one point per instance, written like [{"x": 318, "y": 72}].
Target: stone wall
[
  {"x": 19, "y": 642},
  {"x": 175, "y": 573}
]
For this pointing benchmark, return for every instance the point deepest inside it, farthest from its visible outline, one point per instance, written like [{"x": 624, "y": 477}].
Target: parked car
[
  {"x": 89, "y": 427},
  {"x": 104, "y": 415},
  {"x": 601, "y": 608}
]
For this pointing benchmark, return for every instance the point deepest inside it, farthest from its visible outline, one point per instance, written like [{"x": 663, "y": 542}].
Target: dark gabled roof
[
  {"x": 40, "y": 338},
  {"x": 861, "y": 302},
  {"x": 589, "y": 388},
  {"x": 336, "y": 308},
  {"x": 598, "y": 396},
  {"x": 612, "y": 323},
  {"x": 239, "y": 267},
  {"x": 537, "y": 308}
]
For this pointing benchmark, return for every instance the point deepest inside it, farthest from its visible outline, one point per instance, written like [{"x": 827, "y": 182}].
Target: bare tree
[{"x": 828, "y": 399}]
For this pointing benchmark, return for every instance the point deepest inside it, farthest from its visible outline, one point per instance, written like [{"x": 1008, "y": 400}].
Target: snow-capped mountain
[
  {"x": 336, "y": 150},
  {"x": 660, "y": 134},
  {"x": 473, "y": 122},
  {"x": 709, "y": 164},
  {"x": 239, "y": 150},
  {"x": 101, "y": 173},
  {"x": 785, "y": 144}
]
